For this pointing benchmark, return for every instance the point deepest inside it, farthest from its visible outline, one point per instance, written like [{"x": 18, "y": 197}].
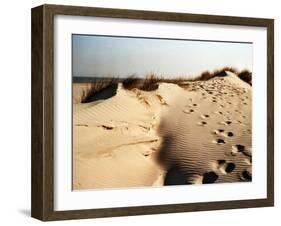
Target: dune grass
[
  {"x": 98, "y": 86},
  {"x": 152, "y": 80},
  {"x": 206, "y": 75},
  {"x": 149, "y": 83},
  {"x": 246, "y": 76}
]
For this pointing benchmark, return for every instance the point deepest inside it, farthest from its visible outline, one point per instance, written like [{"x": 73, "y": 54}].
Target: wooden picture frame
[{"x": 42, "y": 203}]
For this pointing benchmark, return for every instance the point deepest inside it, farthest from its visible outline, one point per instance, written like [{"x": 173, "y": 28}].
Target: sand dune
[
  {"x": 115, "y": 141},
  {"x": 172, "y": 135},
  {"x": 207, "y": 136}
]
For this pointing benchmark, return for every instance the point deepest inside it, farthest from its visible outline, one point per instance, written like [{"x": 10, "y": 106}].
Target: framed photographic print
[{"x": 141, "y": 112}]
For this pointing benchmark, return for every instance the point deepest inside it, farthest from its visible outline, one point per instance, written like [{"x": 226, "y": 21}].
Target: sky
[{"x": 102, "y": 56}]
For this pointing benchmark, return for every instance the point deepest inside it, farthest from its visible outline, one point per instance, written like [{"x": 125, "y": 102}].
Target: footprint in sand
[
  {"x": 229, "y": 167},
  {"x": 209, "y": 177},
  {"x": 246, "y": 175},
  {"x": 203, "y": 123},
  {"x": 238, "y": 148},
  {"x": 218, "y": 112},
  {"x": 218, "y": 131},
  {"x": 223, "y": 133},
  {"x": 147, "y": 153},
  {"x": 230, "y": 134},
  {"x": 225, "y": 167},
  {"x": 219, "y": 141},
  {"x": 228, "y": 122},
  {"x": 189, "y": 111},
  {"x": 204, "y": 116},
  {"x": 214, "y": 101}
]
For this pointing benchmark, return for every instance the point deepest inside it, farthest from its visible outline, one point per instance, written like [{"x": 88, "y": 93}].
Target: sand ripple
[{"x": 209, "y": 142}]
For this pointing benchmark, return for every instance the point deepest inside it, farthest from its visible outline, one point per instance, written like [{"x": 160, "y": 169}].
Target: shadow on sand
[
  {"x": 104, "y": 94},
  {"x": 174, "y": 175}
]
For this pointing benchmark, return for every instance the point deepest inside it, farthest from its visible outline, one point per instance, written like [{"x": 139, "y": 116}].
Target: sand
[{"x": 172, "y": 135}]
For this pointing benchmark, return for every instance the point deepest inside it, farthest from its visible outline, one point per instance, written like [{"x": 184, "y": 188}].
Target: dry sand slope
[
  {"x": 207, "y": 135},
  {"x": 172, "y": 135}
]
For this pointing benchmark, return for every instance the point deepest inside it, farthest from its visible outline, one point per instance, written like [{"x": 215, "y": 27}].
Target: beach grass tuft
[
  {"x": 246, "y": 76},
  {"x": 96, "y": 87}
]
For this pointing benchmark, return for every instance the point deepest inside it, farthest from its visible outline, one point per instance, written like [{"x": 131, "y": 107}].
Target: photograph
[
  {"x": 140, "y": 112},
  {"x": 152, "y": 112}
]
